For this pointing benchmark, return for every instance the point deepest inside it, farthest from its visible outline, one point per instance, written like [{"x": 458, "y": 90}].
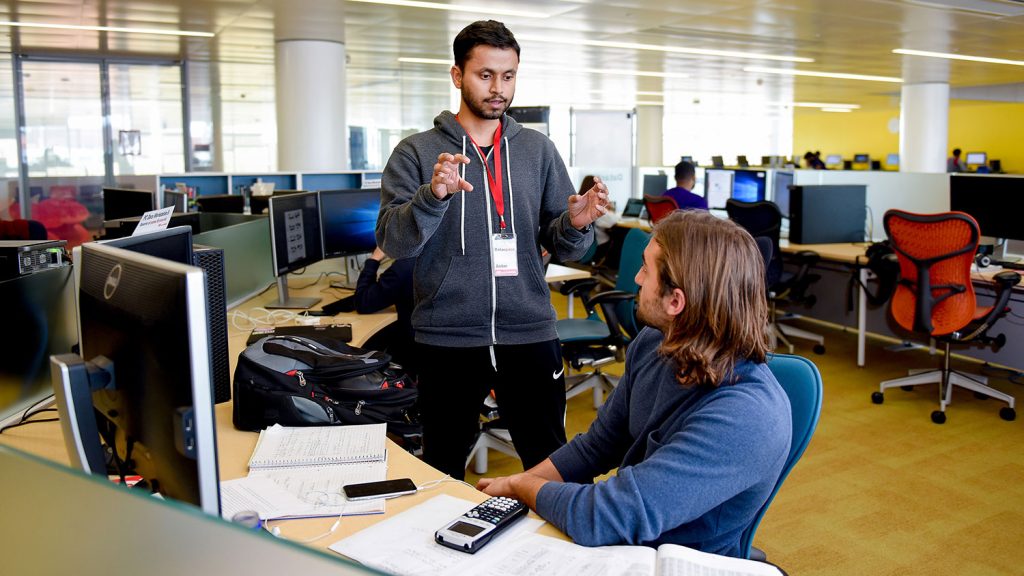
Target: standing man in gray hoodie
[{"x": 475, "y": 199}]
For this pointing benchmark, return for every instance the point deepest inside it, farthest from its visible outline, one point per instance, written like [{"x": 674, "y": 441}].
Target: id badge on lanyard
[{"x": 503, "y": 254}]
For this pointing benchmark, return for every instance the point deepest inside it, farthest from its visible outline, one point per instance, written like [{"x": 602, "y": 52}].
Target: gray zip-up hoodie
[{"x": 458, "y": 300}]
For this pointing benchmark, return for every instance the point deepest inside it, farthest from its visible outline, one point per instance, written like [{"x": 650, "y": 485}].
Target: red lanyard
[{"x": 495, "y": 177}]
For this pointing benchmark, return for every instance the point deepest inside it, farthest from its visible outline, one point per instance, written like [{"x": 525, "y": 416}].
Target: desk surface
[
  {"x": 234, "y": 446},
  {"x": 559, "y": 273}
]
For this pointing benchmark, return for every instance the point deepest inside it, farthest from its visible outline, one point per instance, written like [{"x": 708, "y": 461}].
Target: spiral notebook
[{"x": 289, "y": 447}]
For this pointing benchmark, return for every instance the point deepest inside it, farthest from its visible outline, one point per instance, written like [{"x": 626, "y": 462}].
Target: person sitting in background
[
  {"x": 602, "y": 225},
  {"x": 375, "y": 291},
  {"x": 698, "y": 426},
  {"x": 813, "y": 161},
  {"x": 954, "y": 163},
  {"x": 686, "y": 178}
]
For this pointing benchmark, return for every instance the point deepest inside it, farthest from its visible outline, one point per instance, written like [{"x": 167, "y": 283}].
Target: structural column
[
  {"x": 650, "y": 136},
  {"x": 310, "y": 61},
  {"x": 924, "y": 127}
]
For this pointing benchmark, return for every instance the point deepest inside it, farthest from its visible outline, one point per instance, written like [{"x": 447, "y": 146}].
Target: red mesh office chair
[
  {"x": 935, "y": 298},
  {"x": 659, "y": 206},
  {"x": 20, "y": 229}
]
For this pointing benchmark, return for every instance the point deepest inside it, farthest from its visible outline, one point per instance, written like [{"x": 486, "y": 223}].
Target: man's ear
[
  {"x": 457, "y": 77},
  {"x": 675, "y": 302}
]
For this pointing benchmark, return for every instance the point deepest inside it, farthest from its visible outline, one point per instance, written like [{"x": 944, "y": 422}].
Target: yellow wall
[{"x": 995, "y": 128}]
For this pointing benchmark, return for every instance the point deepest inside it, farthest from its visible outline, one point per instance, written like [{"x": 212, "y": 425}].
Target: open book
[
  {"x": 314, "y": 463},
  {"x": 288, "y": 447}
]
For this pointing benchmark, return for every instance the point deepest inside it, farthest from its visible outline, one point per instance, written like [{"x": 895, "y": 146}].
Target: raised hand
[
  {"x": 591, "y": 205},
  {"x": 446, "y": 179}
]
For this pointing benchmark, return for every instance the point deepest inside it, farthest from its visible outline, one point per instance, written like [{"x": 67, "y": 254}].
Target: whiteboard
[{"x": 603, "y": 138}]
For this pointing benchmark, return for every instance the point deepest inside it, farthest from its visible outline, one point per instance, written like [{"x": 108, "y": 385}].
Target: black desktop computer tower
[
  {"x": 211, "y": 260},
  {"x": 827, "y": 214}
]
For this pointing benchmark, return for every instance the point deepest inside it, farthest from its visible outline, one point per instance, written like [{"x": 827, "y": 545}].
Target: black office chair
[
  {"x": 784, "y": 287},
  {"x": 601, "y": 338}
]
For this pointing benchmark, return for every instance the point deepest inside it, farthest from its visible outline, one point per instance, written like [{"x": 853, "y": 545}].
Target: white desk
[{"x": 559, "y": 273}]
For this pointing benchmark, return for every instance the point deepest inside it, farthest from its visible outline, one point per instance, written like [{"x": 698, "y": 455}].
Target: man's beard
[{"x": 481, "y": 110}]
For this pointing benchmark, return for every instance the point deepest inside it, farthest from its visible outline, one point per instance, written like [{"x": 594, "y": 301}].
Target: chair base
[
  {"x": 596, "y": 381},
  {"x": 490, "y": 439},
  {"x": 946, "y": 381},
  {"x": 781, "y": 331}
]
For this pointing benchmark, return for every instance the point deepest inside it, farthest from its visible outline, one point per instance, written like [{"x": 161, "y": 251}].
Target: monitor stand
[
  {"x": 348, "y": 283},
  {"x": 283, "y": 301}
]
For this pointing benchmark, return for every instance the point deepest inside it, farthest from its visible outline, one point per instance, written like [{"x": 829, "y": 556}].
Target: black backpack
[{"x": 318, "y": 381}]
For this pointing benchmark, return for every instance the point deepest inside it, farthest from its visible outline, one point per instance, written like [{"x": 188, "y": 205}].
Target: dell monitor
[
  {"x": 121, "y": 203},
  {"x": 296, "y": 241},
  {"x": 749, "y": 185},
  {"x": 994, "y": 201},
  {"x": 230, "y": 203},
  {"x": 977, "y": 159},
  {"x": 655, "y": 184},
  {"x": 892, "y": 160},
  {"x": 833, "y": 160},
  {"x": 717, "y": 187},
  {"x": 781, "y": 181},
  {"x": 177, "y": 199},
  {"x": 173, "y": 244},
  {"x": 143, "y": 382}
]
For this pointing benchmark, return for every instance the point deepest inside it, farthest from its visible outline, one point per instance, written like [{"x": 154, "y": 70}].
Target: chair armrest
[
  {"x": 579, "y": 286},
  {"x": 612, "y": 297},
  {"x": 1005, "y": 281}
]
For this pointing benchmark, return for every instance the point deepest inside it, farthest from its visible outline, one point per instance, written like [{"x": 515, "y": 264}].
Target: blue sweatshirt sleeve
[
  {"x": 409, "y": 212},
  {"x": 690, "y": 474}
]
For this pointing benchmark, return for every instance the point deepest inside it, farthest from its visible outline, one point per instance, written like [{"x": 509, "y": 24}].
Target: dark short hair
[
  {"x": 486, "y": 32},
  {"x": 685, "y": 170},
  {"x": 956, "y": 151}
]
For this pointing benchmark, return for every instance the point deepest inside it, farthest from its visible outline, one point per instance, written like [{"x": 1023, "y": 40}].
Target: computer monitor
[
  {"x": 994, "y": 201},
  {"x": 146, "y": 386},
  {"x": 348, "y": 219},
  {"x": 827, "y": 214},
  {"x": 766, "y": 160},
  {"x": 781, "y": 181},
  {"x": 174, "y": 244},
  {"x": 834, "y": 160},
  {"x": 230, "y": 203},
  {"x": 876, "y": 164},
  {"x": 634, "y": 208},
  {"x": 296, "y": 241},
  {"x": 749, "y": 185},
  {"x": 861, "y": 158},
  {"x": 977, "y": 159},
  {"x": 996, "y": 165},
  {"x": 655, "y": 184},
  {"x": 687, "y": 159},
  {"x": 741, "y": 161},
  {"x": 892, "y": 160},
  {"x": 124, "y": 203},
  {"x": 717, "y": 187},
  {"x": 177, "y": 199},
  {"x": 717, "y": 162}
]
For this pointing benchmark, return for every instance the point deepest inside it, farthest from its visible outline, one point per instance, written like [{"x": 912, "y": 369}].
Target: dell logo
[{"x": 113, "y": 279}]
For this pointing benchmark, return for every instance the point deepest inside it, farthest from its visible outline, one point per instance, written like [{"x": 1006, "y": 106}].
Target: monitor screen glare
[
  {"x": 892, "y": 160},
  {"x": 833, "y": 160}
]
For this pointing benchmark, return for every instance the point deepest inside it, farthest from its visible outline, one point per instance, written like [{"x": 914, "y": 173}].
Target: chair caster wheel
[
  {"x": 907, "y": 388},
  {"x": 877, "y": 397},
  {"x": 939, "y": 417},
  {"x": 819, "y": 348},
  {"x": 1007, "y": 413}
]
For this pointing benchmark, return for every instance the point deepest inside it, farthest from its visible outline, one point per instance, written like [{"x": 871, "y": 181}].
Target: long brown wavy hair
[{"x": 720, "y": 270}]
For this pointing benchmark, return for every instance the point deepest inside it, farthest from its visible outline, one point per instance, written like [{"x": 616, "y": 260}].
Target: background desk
[{"x": 839, "y": 261}]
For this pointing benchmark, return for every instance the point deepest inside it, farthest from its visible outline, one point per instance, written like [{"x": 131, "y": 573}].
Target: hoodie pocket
[
  {"x": 464, "y": 296},
  {"x": 526, "y": 298}
]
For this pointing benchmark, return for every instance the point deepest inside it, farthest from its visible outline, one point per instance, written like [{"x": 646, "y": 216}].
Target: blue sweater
[{"x": 695, "y": 464}]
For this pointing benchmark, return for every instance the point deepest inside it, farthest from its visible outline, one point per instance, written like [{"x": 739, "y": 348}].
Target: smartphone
[{"x": 383, "y": 489}]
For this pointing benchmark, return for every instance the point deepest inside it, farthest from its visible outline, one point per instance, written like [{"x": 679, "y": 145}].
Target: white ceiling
[{"x": 847, "y": 36}]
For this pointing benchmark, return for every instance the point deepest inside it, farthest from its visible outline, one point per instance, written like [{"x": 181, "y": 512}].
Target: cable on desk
[
  {"x": 265, "y": 318},
  {"x": 276, "y": 530},
  {"x": 435, "y": 483},
  {"x": 311, "y": 284},
  {"x": 28, "y": 413}
]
